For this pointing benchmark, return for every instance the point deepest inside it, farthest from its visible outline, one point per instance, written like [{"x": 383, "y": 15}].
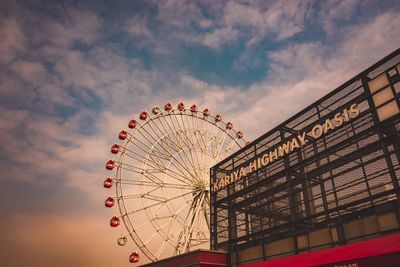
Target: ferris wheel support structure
[{"x": 162, "y": 178}]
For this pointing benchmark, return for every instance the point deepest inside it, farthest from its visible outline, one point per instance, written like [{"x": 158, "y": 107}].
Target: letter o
[{"x": 317, "y": 131}]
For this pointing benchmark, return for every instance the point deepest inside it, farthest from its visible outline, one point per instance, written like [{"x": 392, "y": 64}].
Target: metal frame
[
  {"x": 350, "y": 174},
  {"x": 161, "y": 178}
]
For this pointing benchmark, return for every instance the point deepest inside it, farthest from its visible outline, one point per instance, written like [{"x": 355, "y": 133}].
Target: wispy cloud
[
  {"x": 137, "y": 26},
  {"x": 333, "y": 13},
  {"x": 68, "y": 84},
  {"x": 220, "y": 37},
  {"x": 13, "y": 40},
  {"x": 282, "y": 19}
]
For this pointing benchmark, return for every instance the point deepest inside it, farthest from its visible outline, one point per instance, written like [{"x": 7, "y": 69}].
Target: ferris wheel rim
[{"x": 217, "y": 124}]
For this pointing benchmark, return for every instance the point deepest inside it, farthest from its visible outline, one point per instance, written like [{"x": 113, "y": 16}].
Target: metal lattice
[
  {"x": 162, "y": 178},
  {"x": 334, "y": 188}
]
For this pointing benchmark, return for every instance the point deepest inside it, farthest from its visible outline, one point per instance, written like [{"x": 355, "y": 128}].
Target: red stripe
[{"x": 383, "y": 250}]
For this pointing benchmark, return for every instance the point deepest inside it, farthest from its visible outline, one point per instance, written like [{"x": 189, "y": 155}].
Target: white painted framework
[{"x": 162, "y": 179}]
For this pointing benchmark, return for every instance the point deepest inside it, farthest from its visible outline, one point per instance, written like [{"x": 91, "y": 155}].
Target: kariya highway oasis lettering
[{"x": 297, "y": 142}]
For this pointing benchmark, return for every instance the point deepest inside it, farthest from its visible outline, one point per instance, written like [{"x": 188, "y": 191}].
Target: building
[
  {"x": 326, "y": 177},
  {"x": 196, "y": 258}
]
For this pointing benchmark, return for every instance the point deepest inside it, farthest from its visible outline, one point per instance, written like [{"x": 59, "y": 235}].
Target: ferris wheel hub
[{"x": 201, "y": 186}]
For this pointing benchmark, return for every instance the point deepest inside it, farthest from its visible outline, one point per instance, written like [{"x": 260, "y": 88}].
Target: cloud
[
  {"x": 75, "y": 25},
  {"x": 238, "y": 14},
  {"x": 179, "y": 14},
  {"x": 297, "y": 62},
  {"x": 282, "y": 19},
  {"x": 137, "y": 26},
  {"x": 67, "y": 90},
  {"x": 375, "y": 39},
  {"x": 299, "y": 74},
  {"x": 220, "y": 37},
  {"x": 35, "y": 152},
  {"x": 302, "y": 73},
  {"x": 30, "y": 72},
  {"x": 334, "y": 12},
  {"x": 13, "y": 40},
  {"x": 181, "y": 21}
]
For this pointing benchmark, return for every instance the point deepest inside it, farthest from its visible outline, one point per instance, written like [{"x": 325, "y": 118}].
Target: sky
[{"x": 73, "y": 73}]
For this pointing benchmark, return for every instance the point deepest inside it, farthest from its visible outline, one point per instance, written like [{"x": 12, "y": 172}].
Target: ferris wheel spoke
[
  {"x": 142, "y": 171},
  {"x": 149, "y": 172},
  {"x": 205, "y": 213},
  {"x": 187, "y": 231},
  {"x": 155, "y": 168},
  {"x": 203, "y": 133},
  {"x": 187, "y": 203},
  {"x": 183, "y": 135},
  {"x": 145, "y": 243},
  {"x": 169, "y": 225},
  {"x": 178, "y": 148},
  {"x": 154, "y": 234},
  {"x": 155, "y": 204},
  {"x": 131, "y": 196},
  {"x": 156, "y": 158},
  {"x": 164, "y": 141},
  {"x": 147, "y": 195},
  {"x": 156, "y": 141},
  {"x": 213, "y": 140},
  {"x": 223, "y": 141},
  {"x": 189, "y": 175},
  {"x": 162, "y": 247},
  {"x": 154, "y": 184},
  {"x": 220, "y": 142},
  {"x": 154, "y": 197},
  {"x": 182, "y": 165},
  {"x": 214, "y": 144},
  {"x": 156, "y": 163},
  {"x": 188, "y": 164},
  {"x": 206, "y": 131},
  {"x": 154, "y": 151},
  {"x": 171, "y": 129},
  {"x": 192, "y": 156},
  {"x": 129, "y": 167},
  {"x": 231, "y": 144},
  {"x": 191, "y": 217},
  {"x": 193, "y": 152},
  {"x": 173, "y": 174},
  {"x": 137, "y": 142},
  {"x": 140, "y": 226},
  {"x": 202, "y": 145},
  {"x": 172, "y": 217},
  {"x": 213, "y": 137}
]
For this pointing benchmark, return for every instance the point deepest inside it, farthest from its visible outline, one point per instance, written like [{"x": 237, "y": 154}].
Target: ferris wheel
[{"x": 161, "y": 178}]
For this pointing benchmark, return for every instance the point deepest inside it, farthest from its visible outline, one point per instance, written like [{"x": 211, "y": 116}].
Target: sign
[{"x": 289, "y": 146}]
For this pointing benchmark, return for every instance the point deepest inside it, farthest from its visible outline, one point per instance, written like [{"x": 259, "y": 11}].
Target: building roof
[{"x": 382, "y": 251}]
